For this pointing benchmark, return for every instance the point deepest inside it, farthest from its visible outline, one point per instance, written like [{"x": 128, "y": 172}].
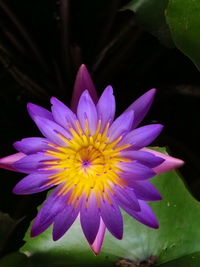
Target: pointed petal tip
[
  {"x": 97, "y": 244},
  {"x": 14, "y": 191},
  {"x": 155, "y": 226},
  {"x": 33, "y": 233},
  {"x": 16, "y": 144},
  {"x": 150, "y": 94},
  {"x": 95, "y": 250},
  {"x": 152, "y": 91},
  {"x": 142, "y": 105},
  {"x": 8, "y": 162},
  {"x": 176, "y": 162},
  {"x": 157, "y": 128},
  {"x": 29, "y": 105},
  {"x": 82, "y": 71},
  {"x": 53, "y": 99},
  {"x": 85, "y": 93},
  {"x": 55, "y": 237},
  {"x": 169, "y": 163},
  {"x": 159, "y": 198},
  {"x": 109, "y": 88},
  {"x": 158, "y": 125},
  {"x": 153, "y": 223},
  {"x": 82, "y": 67}
]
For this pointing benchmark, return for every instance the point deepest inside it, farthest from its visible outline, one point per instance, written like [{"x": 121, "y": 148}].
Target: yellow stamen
[{"x": 88, "y": 164}]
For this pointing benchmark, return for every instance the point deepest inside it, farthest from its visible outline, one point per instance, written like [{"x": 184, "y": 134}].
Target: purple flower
[{"x": 97, "y": 164}]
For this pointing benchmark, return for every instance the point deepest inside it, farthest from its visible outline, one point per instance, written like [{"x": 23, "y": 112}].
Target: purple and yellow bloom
[{"x": 97, "y": 164}]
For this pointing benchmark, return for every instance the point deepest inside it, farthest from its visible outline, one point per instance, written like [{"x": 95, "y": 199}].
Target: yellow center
[{"x": 87, "y": 163}]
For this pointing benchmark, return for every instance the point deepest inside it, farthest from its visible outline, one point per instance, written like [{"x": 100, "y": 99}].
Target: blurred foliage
[
  {"x": 151, "y": 15},
  {"x": 183, "y": 18},
  {"x": 42, "y": 44}
]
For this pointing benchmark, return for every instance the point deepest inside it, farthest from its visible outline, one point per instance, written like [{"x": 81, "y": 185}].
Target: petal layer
[
  {"x": 141, "y": 106},
  {"x": 53, "y": 205},
  {"x": 121, "y": 125},
  {"x": 96, "y": 246},
  {"x": 106, "y": 107},
  {"x": 142, "y": 136},
  {"x": 132, "y": 171},
  {"x": 144, "y": 190},
  {"x": 90, "y": 219},
  {"x": 32, "y": 145},
  {"x": 169, "y": 164},
  {"x": 7, "y": 162},
  {"x": 83, "y": 82},
  {"x": 32, "y": 184},
  {"x": 32, "y": 163},
  {"x": 86, "y": 110},
  {"x": 143, "y": 157},
  {"x": 64, "y": 220},
  {"x": 52, "y": 131},
  {"x": 127, "y": 197},
  {"x": 35, "y": 110},
  {"x": 62, "y": 114},
  {"x": 112, "y": 218},
  {"x": 145, "y": 216}
]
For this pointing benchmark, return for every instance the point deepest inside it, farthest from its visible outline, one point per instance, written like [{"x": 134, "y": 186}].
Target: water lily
[{"x": 97, "y": 164}]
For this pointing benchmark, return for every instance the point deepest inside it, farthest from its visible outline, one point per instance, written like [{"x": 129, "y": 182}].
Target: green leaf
[
  {"x": 178, "y": 236},
  {"x": 184, "y": 22},
  {"x": 151, "y": 15},
  {"x": 192, "y": 260}
]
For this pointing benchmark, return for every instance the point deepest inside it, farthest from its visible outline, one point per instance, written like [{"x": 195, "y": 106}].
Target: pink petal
[
  {"x": 169, "y": 164},
  {"x": 96, "y": 246},
  {"x": 7, "y": 162},
  {"x": 83, "y": 82}
]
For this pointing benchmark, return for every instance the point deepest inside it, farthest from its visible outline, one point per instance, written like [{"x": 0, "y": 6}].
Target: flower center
[
  {"x": 88, "y": 160},
  {"x": 86, "y": 163}
]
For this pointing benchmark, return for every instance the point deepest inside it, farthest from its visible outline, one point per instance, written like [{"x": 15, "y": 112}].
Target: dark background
[{"x": 42, "y": 44}]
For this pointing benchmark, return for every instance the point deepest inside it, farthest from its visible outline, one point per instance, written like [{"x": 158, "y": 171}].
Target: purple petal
[
  {"x": 39, "y": 227},
  {"x": 144, "y": 190},
  {"x": 127, "y": 197},
  {"x": 142, "y": 136},
  {"x": 132, "y": 171},
  {"x": 64, "y": 220},
  {"x": 31, "y": 145},
  {"x": 90, "y": 219},
  {"x": 87, "y": 110},
  {"x": 112, "y": 218},
  {"x": 169, "y": 164},
  {"x": 32, "y": 184},
  {"x": 120, "y": 126},
  {"x": 35, "y": 110},
  {"x": 145, "y": 216},
  {"x": 62, "y": 114},
  {"x": 106, "y": 107},
  {"x": 141, "y": 106},
  {"x": 31, "y": 163},
  {"x": 52, "y": 130},
  {"x": 7, "y": 162},
  {"x": 53, "y": 205},
  {"x": 83, "y": 82},
  {"x": 96, "y": 246},
  {"x": 145, "y": 158}
]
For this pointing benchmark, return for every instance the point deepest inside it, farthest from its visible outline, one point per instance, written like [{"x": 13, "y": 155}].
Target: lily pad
[
  {"x": 192, "y": 260},
  {"x": 184, "y": 22},
  {"x": 151, "y": 15},
  {"x": 176, "y": 242}
]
